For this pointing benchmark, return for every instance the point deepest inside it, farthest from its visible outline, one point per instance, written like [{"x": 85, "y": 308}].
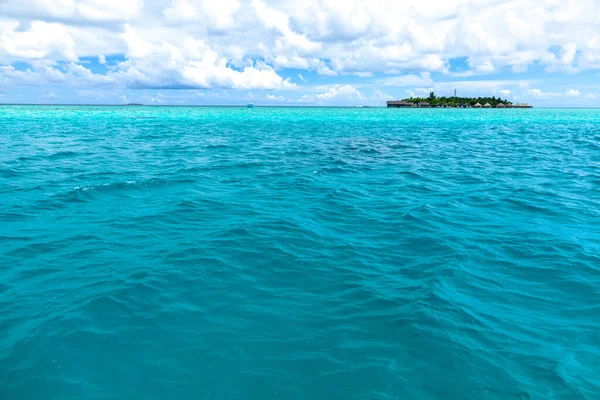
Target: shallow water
[{"x": 284, "y": 253}]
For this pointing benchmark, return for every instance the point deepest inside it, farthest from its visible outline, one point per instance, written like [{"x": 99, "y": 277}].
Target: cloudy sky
[{"x": 290, "y": 52}]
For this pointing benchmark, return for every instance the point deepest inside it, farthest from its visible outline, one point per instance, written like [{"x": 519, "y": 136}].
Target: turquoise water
[{"x": 283, "y": 253}]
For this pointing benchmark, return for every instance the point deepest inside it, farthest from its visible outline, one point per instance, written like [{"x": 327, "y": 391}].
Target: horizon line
[{"x": 238, "y": 105}]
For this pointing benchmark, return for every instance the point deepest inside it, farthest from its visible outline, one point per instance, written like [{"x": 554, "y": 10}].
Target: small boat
[{"x": 250, "y": 105}]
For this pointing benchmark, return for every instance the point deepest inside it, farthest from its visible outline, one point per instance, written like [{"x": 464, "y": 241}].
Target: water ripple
[{"x": 157, "y": 252}]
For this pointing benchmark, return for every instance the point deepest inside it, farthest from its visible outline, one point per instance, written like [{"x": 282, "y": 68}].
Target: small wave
[
  {"x": 398, "y": 256},
  {"x": 63, "y": 154},
  {"x": 8, "y": 173},
  {"x": 131, "y": 184}
]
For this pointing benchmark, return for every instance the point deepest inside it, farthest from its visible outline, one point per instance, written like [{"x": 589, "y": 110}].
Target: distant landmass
[
  {"x": 133, "y": 104},
  {"x": 454, "y": 102}
]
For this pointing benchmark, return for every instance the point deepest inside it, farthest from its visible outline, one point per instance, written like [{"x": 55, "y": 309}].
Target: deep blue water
[{"x": 217, "y": 253}]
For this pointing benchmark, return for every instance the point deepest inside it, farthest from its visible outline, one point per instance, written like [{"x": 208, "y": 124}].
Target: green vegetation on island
[{"x": 455, "y": 101}]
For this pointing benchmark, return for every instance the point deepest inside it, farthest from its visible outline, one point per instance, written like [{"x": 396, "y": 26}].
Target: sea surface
[{"x": 299, "y": 253}]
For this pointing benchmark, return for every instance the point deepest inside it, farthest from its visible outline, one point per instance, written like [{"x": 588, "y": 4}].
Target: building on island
[
  {"x": 407, "y": 104},
  {"x": 400, "y": 104},
  {"x": 500, "y": 105},
  {"x": 487, "y": 105},
  {"x": 477, "y": 105},
  {"x": 522, "y": 105}
]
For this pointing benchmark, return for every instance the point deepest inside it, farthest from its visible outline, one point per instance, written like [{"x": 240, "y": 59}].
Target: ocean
[{"x": 299, "y": 253}]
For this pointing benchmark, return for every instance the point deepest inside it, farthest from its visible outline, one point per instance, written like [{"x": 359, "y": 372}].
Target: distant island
[
  {"x": 454, "y": 102},
  {"x": 133, "y": 104}
]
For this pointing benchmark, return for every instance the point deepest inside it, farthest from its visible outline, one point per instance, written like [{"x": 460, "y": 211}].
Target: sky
[{"x": 290, "y": 52}]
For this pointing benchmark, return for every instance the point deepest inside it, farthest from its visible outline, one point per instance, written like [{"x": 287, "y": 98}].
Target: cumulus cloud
[
  {"x": 218, "y": 15},
  {"x": 40, "y": 41},
  {"x": 358, "y": 36},
  {"x": 345, "y": 91},
  {"x": 273, "y": 97},
  {"x": 187, "y": 63},
  {"x": 181, "y": 10},
  {"x": 306, "y": 98},
  {"x": 287, "y": 40},
  {"x": 159, "y": 98},
  {"x": 379, "y": 95},
  {"x": 409, "y": 80},
  {"x": 572, "y": 93},
  {"x": 93, "y": 10},
  {"x": 249, "y": 44},
  {"x": 541, "y": 94},
  {"x": 325, "y": 70},
  {"x": 419, "y": 92}
]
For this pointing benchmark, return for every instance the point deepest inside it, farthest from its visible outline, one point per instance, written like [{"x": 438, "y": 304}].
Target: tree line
[{"x": 455, "y": 101}]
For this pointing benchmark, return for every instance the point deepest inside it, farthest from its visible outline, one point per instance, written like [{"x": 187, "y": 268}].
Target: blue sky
[{"x": 284, "y": 52}]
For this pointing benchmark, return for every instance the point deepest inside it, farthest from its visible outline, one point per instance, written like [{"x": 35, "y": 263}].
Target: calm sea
[{"x": 296, "y": 253}]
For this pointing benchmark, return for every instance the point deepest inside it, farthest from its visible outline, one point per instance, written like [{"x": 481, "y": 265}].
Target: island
[{"x": 434, "y": 101}]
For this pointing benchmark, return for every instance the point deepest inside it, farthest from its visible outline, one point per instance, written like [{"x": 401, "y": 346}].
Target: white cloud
[
  {"x": 409, "y": 80},
  {"x": 275, "y": 98},
  {"x": 106, "y": 10},
  {"x": 92, "y": 10},
  {"x": 218, "y": 15},
  {"x": 102, "y": 59},
  {"x": 572, "y": 93},
  {"x": 345, "y": 91},
  {"x": 159, "y": 98},
  {"x": 379, "y": 95},
  {"x": 326, "y": 71},
  {"x": 40, "y": 41},
  {"x": 181, "y": 10},
  {"x": 354, "y": 36},
  {"x": 287, "y": 39},
  {"x": 306, "y": 98},
  {"x": 187, "y": 63},
  {"x": 540, "y": 94},
  {"x": 563, "y": 59},
  {"x": 246, "y": 44},
  {"x": 419, "y": 92},
  {"x": 301, "y": 78},
  {"x": 483, "y": 86},
  {"x": 9, "y": 75},
  {"x": 50, "y": 96}
]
